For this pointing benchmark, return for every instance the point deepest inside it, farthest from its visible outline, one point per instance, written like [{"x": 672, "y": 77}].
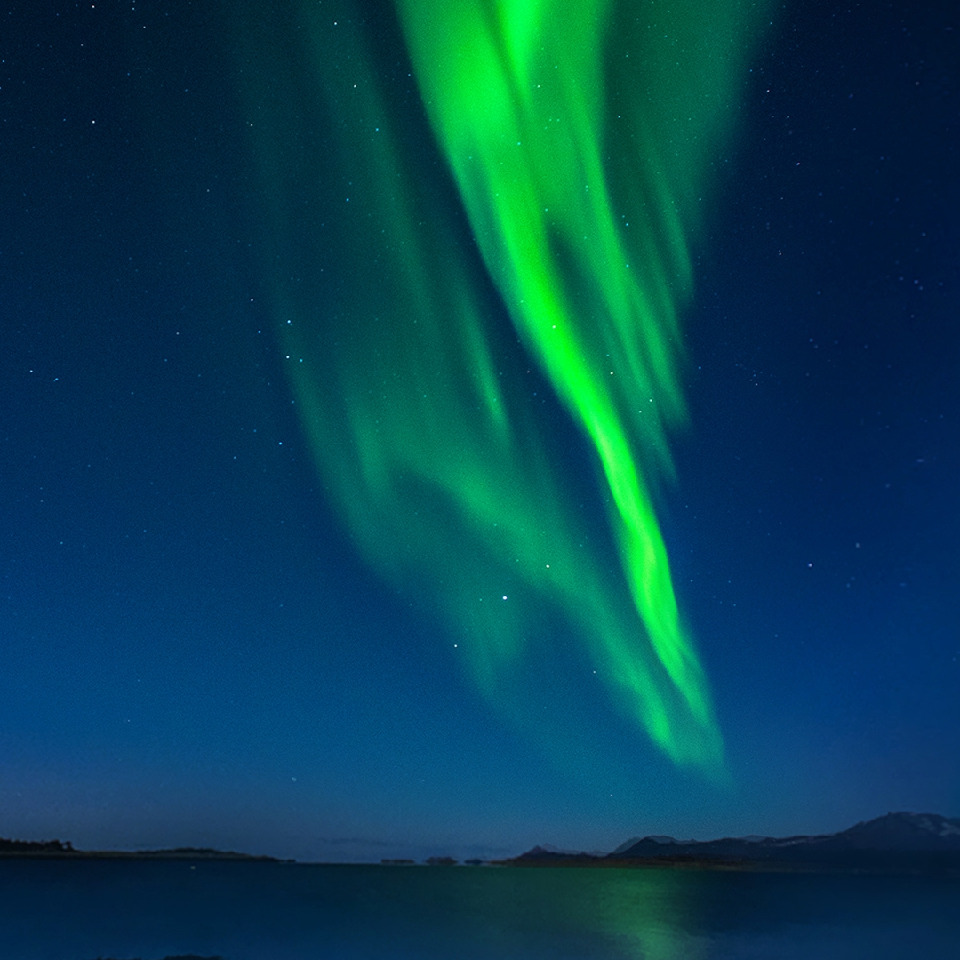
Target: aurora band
[{"x": 579, "y": 137}]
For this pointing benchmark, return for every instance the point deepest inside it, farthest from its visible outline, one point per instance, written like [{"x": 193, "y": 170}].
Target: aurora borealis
[
  {"x": 444, "y": 427},
  {"x": 580, "y": 172}
]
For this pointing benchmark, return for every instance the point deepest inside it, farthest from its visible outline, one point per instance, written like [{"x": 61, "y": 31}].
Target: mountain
[
  {"x": 663, "y": 841},
  {"x": 627, "y": 844},
  {"x": 905, "y": 831},
  {"x": 897, "y": 841}
]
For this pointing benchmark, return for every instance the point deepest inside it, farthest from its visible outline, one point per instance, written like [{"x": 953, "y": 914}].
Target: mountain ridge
[{"x": 902, "y": 840}]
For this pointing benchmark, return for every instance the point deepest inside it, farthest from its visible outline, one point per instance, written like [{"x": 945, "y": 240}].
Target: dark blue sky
[{"x": 192, "y": 650}]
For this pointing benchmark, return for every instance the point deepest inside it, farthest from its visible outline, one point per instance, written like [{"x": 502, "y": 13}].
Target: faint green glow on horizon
[{"x": 579, "y": 136}]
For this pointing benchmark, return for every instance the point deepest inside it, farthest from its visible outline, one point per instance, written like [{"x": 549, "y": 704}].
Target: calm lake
[{"x": 57, "y": 910}]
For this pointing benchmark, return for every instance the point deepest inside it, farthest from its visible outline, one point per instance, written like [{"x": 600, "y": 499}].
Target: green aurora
[{"x": 579, "y": 137}]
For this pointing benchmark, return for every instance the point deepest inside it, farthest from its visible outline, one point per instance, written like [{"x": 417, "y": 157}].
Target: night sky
[{"x": 236, "y": 578}]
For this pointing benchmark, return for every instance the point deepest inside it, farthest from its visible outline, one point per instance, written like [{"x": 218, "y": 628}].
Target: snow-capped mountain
[
  {"x": 893, "y": 841},
  {"x": 893, "y": 833}
]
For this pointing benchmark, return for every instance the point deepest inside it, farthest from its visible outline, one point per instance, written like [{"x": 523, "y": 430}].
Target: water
[{"x": 61, "y": 910}]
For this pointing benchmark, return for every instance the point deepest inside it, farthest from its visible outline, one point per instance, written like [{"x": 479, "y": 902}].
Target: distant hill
[
  {"x": 34, "y": 846},
  {"x": 897, "y": 841},
  {"x": 56, "y": 848}
]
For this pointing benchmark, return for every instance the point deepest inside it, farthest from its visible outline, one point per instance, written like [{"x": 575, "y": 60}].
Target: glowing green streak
[
  {"x": 515, "y": 91},
  {"x": 578, "y": 136}
]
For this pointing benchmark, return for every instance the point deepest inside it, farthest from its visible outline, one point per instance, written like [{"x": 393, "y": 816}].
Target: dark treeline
[{"x": 34, "y": 846}]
